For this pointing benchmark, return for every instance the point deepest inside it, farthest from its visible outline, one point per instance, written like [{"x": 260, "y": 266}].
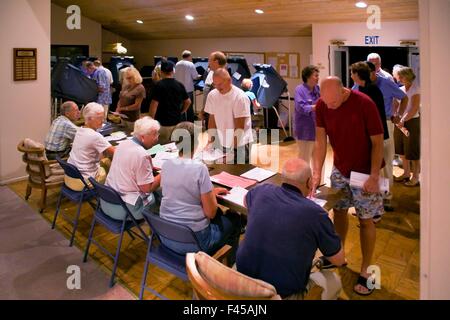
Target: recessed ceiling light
[
  {"x": 361, "y": 4},
  {"x": 189, "y": 17},
  {"x": 140, "y": 21},
  {"x": 259, "y": 11}
]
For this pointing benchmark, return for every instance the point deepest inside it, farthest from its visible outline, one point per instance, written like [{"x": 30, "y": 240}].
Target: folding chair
[
  {"x": 110, "y": 195},
  {"x": 165, "y": 258},
  {"x": 87, "y": 194}
]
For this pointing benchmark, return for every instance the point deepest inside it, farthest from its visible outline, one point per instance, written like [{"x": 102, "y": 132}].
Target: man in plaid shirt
[{"x": 62, "y": 131}]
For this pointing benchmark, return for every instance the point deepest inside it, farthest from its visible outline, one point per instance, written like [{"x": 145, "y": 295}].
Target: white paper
[
  {"x": 236, "y": 195},
  {"x": 119, "y": 135},
  {"x": 123, "y": 116},
  {"x": 170, "y": 147},
  {"x": 283, "y": 70},
  {"x": 272, "y": 62},
  {"x": 293, "y": 72},
  {"x": 237, "y": 75},
  {"x": 258, "y": 174},
  {"x": 265, "y": 84},
  {"x": 357, "y": 180},
  {"x": 319, "y": 202},
  {"x": 162, "y": 157},
  {"x": 210, "y": 155},
  {"x": 293, "y": 59}
]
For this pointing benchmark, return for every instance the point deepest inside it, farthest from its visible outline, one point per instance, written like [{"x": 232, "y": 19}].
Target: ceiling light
[
  {"x": 189, "y": 17},
  {"x": 361, "y": 4},
  {"x": 140, "y": 21},
  {"x": 259, "y": 11}
]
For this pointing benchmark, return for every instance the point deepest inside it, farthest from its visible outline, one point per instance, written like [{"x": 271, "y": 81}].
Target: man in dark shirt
[
  {"x": 284, "y": 231},
  {"x": 169, "y": 101}
]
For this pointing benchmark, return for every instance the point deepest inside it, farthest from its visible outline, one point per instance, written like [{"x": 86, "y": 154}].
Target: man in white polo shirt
[
  {"x": 229, "y": 116},
  {"x": 131, "y": 172},
  {"x": 89, "y": 147}
]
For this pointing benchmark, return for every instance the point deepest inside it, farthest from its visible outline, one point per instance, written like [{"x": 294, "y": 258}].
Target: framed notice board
[
  {"x": 25, "y": 64},
  {"x": 286, "y": 63}
]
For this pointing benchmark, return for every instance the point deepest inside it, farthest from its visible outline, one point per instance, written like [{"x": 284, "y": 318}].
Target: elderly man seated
[
  {"x": 62, "y": 131},
  {"x": 284, "y": 231},
  {"x": 131, "y": 172},
  {"x": 89, "y": 147}
]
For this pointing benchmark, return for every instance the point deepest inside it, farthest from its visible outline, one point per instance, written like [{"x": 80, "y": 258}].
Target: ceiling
[{"x": 164, "y": 19}]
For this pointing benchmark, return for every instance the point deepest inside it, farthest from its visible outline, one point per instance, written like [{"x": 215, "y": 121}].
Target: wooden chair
[
  {"x": 212, "y": 280},
  {"x": 42, "y": 173}
]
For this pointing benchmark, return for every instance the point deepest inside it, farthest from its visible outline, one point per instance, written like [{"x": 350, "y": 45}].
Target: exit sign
[{"x": 371, "y": 40}]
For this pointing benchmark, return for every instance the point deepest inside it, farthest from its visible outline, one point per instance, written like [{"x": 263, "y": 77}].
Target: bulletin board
[{"x": 286, "y": 63}]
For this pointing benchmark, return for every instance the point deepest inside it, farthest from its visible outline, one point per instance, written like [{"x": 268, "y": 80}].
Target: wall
[
  {"x": 435, "y": 183},
  {"x": 145, "y": 50},
  {"x": 390, "y": 34},
  {"x": 89, "y": 34},
  {"x": 28, "y": 25}
]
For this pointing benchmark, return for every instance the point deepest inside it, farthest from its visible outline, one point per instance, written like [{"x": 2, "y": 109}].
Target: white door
[{"x": 339, "y": 63}]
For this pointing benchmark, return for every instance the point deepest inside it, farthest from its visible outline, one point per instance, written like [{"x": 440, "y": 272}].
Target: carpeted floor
[{"x": 34, "y": 259}]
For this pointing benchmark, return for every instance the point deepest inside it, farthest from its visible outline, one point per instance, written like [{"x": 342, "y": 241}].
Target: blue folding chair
[
  {"x": 110, "y": 195},
  {"x": 87, "y": 194},
  {"x": 165, "y": 258}
]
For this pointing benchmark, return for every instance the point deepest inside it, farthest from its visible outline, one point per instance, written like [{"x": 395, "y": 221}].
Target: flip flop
[{"x": 363, "y": 282}]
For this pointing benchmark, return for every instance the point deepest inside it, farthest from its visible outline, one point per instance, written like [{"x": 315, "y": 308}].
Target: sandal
[
  {"x": 412, "y": 183},
  {"x": 363, "y": 282},
  {"x": 401, "y": 179}
]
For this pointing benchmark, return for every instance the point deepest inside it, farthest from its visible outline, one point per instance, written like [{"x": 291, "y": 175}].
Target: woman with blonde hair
[
  {"x": 131, "y": 97},
  {"x": 408, "y": 147}
]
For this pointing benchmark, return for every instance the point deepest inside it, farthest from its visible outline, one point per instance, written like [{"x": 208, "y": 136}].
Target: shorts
[
  {"x": 367, "y": 205},
  {"x": 408, "y": 146}
]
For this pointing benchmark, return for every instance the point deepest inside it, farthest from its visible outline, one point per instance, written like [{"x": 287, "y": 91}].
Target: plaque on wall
[{"x": 25, "y": 64}]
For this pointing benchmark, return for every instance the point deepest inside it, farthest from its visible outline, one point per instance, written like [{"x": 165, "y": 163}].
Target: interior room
[{"x": 60, "y": 243}]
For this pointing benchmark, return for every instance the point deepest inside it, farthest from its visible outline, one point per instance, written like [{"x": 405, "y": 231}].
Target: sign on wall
[{"x": 25, "y": 64}]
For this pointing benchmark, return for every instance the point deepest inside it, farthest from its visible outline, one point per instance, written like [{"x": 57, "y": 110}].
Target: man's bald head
[
  {"x": 217, "y": 59},
  {"x": 222, "y": 80},
  {"x": 332, "y": 92},
  {"x": 296, "y": 171}
]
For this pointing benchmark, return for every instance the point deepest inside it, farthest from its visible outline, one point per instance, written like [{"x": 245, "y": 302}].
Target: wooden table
[{"x": 326, "y": 193}]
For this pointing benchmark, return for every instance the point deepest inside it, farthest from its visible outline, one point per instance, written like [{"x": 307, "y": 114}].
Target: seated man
[
  {"x": 284, "y": 231},
  {"x": 189, "y": 198},
  {"x": 62, "y": 131},
  {"x": 89, "y": 147},
  {"x": 131, "y": 172}
]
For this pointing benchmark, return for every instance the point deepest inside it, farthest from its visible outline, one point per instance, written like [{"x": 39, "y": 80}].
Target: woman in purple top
[{"x": 306, "y": 96}]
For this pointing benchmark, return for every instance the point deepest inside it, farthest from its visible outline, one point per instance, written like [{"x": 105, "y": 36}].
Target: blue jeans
[{"x": 223, "y": 229}]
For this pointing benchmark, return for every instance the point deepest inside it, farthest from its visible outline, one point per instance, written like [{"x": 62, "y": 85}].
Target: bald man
[
  {"x": 216, "y": 60},
  {"x": 284, "y": 231},
  {"x": 229, "y": 118},
  {"x": 58, "y": 141},
  {"x": 353, "y": 125}
]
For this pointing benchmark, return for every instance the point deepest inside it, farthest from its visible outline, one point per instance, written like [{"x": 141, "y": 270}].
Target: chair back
[
  {"x": 34, "y": 159},
  {"x": 71, "y": 171},
  {"x": 107, "y": 194},
  {"x": 170, "y": 230},
  {"x": 212, "y": 280}
]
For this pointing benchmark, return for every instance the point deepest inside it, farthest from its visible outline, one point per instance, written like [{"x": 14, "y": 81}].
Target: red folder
[{"x": 232, "y": 181}]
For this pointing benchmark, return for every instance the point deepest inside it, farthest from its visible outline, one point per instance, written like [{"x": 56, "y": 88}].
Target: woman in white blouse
[{"x": 408, "y": 147}]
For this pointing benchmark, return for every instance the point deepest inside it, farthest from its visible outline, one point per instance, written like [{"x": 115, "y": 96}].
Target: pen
[{"x": 320, "y": 186}]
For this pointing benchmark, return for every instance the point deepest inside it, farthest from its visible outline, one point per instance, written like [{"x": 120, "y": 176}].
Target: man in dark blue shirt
[{"x": 284, "y": 231}]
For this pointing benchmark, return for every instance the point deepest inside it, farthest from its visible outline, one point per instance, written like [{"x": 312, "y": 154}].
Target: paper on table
[
  {"x": 155, "y": 149},
  {"x": 320, "y": 202},
  {"x": 171, "y": 147},
  {"x": 210, "y": 155},
  {"x": 236, "y": 195},
  {"x": 237, "y": 75},
  {"x": 358, "y": 179},
  {"x": 258, "y": 174},
  {"x": 232, "y": 181},
  {"x": 162, "y": 157},
  {"x": 118, "y": 135},
  {"x": 123, "y": 116}
]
